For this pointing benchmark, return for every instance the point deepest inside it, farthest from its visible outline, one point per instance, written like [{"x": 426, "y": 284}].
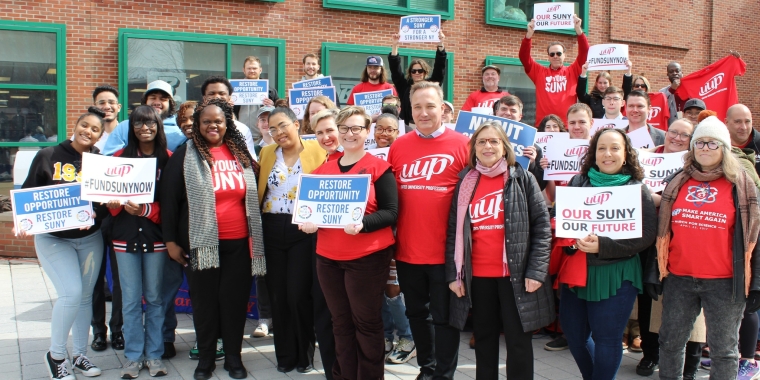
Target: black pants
[
  {"x": 289, "y": 279},
  {"x": 322, "y": 319},
  {"x": 493, "y": 308},
  {"x": 427, "y": 295},
  {"x": 99, "y": 296},
  {"x": 263, "y": 305},
  {"x": 220, "y": 299},
  {"x": 650, "y": 342}
]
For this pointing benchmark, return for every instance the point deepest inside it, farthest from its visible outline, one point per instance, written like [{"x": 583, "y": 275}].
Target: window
[
  {"x": 445, "y": 8},
  {"x": 517, "y": 13},
  {"x": 346, "y": 62},
  {"x": 186, "y": 60},
  {"x": 32, "y": 85}
]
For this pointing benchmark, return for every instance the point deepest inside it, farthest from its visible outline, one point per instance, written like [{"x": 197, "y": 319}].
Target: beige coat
[{"x": 698, "y": 333}]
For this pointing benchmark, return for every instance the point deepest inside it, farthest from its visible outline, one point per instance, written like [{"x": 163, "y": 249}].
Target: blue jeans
[
  {"x": 73, "y": 266},
  {"x": 141, "y": 275},
  {"x": 394, "y": 318},
  {"x": 173, "y": 275},
  {"x": 598, "y": 358}
]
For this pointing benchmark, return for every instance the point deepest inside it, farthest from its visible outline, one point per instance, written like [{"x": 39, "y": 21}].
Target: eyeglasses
[
  {"x": 356, "y": 129},
  {"x": 389, "y": 104},
  {"x": 558, "y": 54},
  {"x": 492, "y": 142},
  {"x": 417, "y": 71},
  {"x": 609, "y": 99},
  {"x": 150, "y": 124},
  {"x": 103, "y": 103},
  {"x": 274, "y": 131},
  {"x": 674, "y": 134},
  {"x": 640, "y": 85},
  {"x": 384, "y": 131},
  {"x": 712, "y": 145}
]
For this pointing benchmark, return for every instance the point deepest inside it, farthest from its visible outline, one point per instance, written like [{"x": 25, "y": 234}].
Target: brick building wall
[{"x": 700, "y": 33}]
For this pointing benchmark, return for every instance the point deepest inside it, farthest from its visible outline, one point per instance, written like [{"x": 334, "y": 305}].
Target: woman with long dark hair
[
  {"x": 212, "y": 226},
  {"x": 70, "y": 258},
  {"x": 595, "y": 311},
  {"x": 140, "y": 251}
]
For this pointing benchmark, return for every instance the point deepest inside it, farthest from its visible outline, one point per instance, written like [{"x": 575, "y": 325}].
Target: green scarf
[{"x": 599, "y": 179}]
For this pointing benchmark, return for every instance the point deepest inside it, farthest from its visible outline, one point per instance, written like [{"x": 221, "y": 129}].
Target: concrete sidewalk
[{"x": 26, "y": 301}]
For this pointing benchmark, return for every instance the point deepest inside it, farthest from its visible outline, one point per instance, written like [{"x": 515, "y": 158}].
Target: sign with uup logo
[
  {"x": 106, "y": 178},
  {"x": 564, "y": 158},
  {"x": 607, "y": 57},
  {"x": 331, "y": 201},
  {"x": 658, "y": 166},
  {"x": 614, "y": 212},
  {"x": 550, "y": 16}
]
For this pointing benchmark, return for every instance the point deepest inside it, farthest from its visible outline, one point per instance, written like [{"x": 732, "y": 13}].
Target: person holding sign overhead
[
  {"x": 505, "y": 281},
  {"x": 141, "y": 253},
  {"x": 610, "y": 268},
  {"x": 288, "y": 249},
  {"x": 711, "y": 200},
  {"x": 352, "y": 262},
  {"x": 418, "y": 70},
  {"x": 374, "y": 78},
  {"x": 71, "y": 258},
  {"x": 211, "y": 225},
  {"x": 596, "y": 99},
  {"x": 556, "y": 84}
]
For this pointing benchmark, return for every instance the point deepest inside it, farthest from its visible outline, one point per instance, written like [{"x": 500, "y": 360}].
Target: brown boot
[
  {"x": 472, "y": 341},
  {"x": 636, "y": 344}
]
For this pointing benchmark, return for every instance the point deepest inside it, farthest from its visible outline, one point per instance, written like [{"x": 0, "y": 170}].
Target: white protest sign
[
  {"x": 607, "y": 57},
  {"x": 106, "y": 178},
  {"x": 614, "y": 212},
  {"x": 381, "y": 153},
  {"x": 551, "y": 16},
  {"x": 658, "y": 166},
  {"x": 370, "y": 141},
  {"x": 564, "y": 158},
  {"x": 543, "y": 138},
  {"x": 331, "y": 201},
  {"x": 249, "y": 91},
  {"x": 482, "y": 110},
  {"x": 420, "y": 28},
  {"x": 50, "y": 208},
  {"x": 640, "y": 138},
  {"x": 607, "y": 124}
]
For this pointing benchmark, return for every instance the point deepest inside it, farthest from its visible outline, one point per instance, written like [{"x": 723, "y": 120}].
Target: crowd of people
[{"x": 454, "y": 228}]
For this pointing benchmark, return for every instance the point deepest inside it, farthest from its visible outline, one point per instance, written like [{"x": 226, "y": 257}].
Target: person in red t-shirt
[
  {"x": 713, "y": 201},
  {"x": 426, "y": 163},
  {"x": 211, "y": 224},
  {"x": 489, "y": 93},
  {"x": 353, "y": 261},
  {"x": 374, "y": 78},
  {"x": 555, "y": 85},
  {"x": 498, "y": 207}
]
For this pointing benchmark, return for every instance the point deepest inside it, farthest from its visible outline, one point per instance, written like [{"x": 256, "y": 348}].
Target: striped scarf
[{"x": 203, "y": 228}]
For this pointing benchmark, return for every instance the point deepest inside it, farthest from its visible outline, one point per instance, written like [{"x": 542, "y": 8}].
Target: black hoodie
[{"x": 61, "y": 158}]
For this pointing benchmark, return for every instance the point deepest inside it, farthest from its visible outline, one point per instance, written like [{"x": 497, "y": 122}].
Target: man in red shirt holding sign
[{"x": 555, "y": 85}]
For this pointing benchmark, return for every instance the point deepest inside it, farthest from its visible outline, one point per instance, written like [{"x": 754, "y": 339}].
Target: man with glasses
[
  {"x": 489, "y": 93},
  {"x": 374, "y": 78},
  {"x": 613, "y": 101},
  {"x": 675, "y": 103},
  {"x": 556, "y": 84},
  {"x": 637, "y": 109}
]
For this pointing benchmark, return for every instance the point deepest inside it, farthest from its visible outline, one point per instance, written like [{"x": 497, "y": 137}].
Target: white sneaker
[
  {"x": 388, "y": 348},
  {"x": 131, "y": 370},
  {"x": 83, "y": 364},
  {"x": 156, "y": 367},
  {"x": 405, "y": 351},
  {"x": 262, "y": 329}
]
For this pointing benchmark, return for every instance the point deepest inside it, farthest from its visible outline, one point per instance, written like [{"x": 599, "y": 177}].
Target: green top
[{"x": 603, "y": 281}]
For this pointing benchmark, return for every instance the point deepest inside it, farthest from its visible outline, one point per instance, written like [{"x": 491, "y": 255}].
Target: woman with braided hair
[{"x": 212, "y": 226}]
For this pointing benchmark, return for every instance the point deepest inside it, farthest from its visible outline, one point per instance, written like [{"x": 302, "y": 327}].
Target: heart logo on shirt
[{"x": 548, "y": 79}]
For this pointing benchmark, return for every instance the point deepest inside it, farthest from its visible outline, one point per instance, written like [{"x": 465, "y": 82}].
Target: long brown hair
[
  {"x": 603, "y": 74},
  {"x": 232, "y": 137},
  {"x": 383, "y": 75},
  {"x": 631, "y": 165},
  {"x": 417, "y": 61}
]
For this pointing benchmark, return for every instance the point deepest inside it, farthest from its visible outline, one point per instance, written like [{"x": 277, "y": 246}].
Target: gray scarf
[{"x": 204, "y": 232}]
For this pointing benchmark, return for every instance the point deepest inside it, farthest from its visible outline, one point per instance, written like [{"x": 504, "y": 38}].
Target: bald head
[
  {"x": 674, "y": 71},
  {"x": 739, "y": 123}
]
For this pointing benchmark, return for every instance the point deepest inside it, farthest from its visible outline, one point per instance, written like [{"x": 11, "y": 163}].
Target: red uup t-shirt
[
  {"x": 659, "y": 111},
  {"x": 229, "y": 192},
  {"x": 426, "y": 171},
  {"x": 487, "y": 220},
  {"x": 482, "y": 98},
  {"x": 703, "y": 212},
  {"x": 714, "y": 84},
  {"x": 369, "y": 87}
]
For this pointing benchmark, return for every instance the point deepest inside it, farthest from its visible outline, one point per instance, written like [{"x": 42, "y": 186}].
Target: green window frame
[
  {"x": 59, "y": 87},
  {"x": 395, "y": 7},
  {"x": 492, "y": 20},
  {"x": 227, "y": 41},
  {"x": 383, "y": 51}
]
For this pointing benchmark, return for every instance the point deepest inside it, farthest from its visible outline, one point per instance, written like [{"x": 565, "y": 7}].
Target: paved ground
[{"x": 26, "y": 300}]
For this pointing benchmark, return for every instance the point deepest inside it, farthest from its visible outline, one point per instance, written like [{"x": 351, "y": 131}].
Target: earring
[{"x": 624, "y": 162}]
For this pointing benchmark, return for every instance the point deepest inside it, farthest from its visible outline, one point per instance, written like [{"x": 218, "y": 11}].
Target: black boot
[
  {"x": 204, "y": 370},
  {"x": 234, "y": 366}
]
